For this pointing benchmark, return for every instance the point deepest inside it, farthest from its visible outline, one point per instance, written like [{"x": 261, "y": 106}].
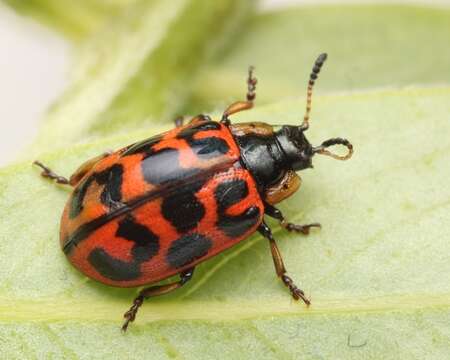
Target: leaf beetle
[{"x": 161, "y": 206}]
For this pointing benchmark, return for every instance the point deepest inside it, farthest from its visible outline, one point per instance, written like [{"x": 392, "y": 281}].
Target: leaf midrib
[{"x": 52, "y": 309}]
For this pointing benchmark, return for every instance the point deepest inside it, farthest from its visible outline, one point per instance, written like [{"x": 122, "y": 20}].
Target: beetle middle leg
[
  {"x": 272, "y": 211},
  {"x": 279, "y": 265},
  {"x": 242, "y": 105},
  {"x": 152, "y": 291}
]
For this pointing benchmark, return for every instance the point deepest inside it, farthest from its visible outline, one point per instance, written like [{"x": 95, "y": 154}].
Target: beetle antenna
[
  {"x": 322, "y": 149},
  {"x": 312, "y": 78}
]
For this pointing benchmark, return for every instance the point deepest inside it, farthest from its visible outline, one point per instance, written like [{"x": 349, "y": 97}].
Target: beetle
[{"x": 159, "y": 207}]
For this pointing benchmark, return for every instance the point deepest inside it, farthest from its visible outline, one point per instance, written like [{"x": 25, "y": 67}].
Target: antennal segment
[{"x": 312, "y": 78}]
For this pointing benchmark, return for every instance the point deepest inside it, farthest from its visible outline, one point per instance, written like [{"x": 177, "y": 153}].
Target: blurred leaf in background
[
  {"x": 75, "y": 19},
  {"x": 369, "y": 47},
  {"x": 138, "y": 69},
  {"x": 378, "y": 272}
]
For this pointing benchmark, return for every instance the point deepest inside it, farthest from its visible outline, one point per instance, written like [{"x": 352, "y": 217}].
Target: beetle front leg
[
  {"x": 272, "y": 211},
  {"x": 279, "y": 265},
  {"x": 156, "y": 290},
  {"x": 242, "y": 105},
  {"x": 50, "y": 174}
]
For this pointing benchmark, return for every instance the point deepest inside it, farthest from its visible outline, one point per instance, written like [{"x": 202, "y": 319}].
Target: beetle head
[{"x": 299, "y": 152}]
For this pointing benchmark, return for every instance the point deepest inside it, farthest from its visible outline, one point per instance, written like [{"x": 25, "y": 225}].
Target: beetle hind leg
[
  {"x": 152, "y": 291},
  {"x": 272, "y": 211},
  {"x": 296, "y": 292},
  {"x": 50, "y": 174}
]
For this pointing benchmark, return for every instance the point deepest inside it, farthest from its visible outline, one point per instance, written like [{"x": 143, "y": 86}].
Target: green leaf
[
  {"x": 378, "y": 272},
  {"x": 369, "y": 46},
  {"x": 75, "y": 19},
  {"x": 138, "y": 70}
]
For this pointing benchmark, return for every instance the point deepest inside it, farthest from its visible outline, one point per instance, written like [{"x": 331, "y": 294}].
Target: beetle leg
[
  {"x": 130, "y": 315},
  {"x": 279, "y": 266},
  {"x": 272, "y": 211},
  {"x": 179, "y": 121},
  {"x": 242, "y": 105},
  {"x": 77, "y": 176},
  {"x": 84, "y": 168},
  {"x": 48, "y": 173}
]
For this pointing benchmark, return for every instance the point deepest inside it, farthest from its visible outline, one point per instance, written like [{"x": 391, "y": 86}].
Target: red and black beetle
[{"x": 160, "y": 206}]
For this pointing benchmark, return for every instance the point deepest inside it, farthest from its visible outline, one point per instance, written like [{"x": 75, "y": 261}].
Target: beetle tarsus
[
  {"x": 130, "y": 315},
  {"x": 304, "y": 229},
  {"x": 152, "y": 291},
  {"x": 50, "y": 174},
  {"x": 296, "y": 292}
]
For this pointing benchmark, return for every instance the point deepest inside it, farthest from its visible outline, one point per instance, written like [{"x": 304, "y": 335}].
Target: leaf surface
[{"x": 378, "y": 272}]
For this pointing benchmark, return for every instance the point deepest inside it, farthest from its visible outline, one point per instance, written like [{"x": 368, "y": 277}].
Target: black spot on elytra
[
  {"x": 183, "y": 209},
  {"x": 235, "y": 226},
  {"x": 146, "y": 242},
  {"x": 113, "y": 268},
  {"x": 163, "y": 166},
  {"x": 228, "y": 194},
  {"x": 146, "y": 245},
  {"x": 144, "y": 146},
  {"x": 209, "y": 147},
  {"x": 76, "y": 205},
  {"x": 112, "y": 179},
  {"x": 111, "y": 195},
  {"x": 187, "y": 249},
  {"x": 86, "y": 229}
]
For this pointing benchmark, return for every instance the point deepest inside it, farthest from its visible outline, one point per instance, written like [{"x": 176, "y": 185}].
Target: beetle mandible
[{"x": 161, "y": 206}]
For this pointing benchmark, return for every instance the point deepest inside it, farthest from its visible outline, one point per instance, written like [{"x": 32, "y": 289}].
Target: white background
[{"x": 34, "y": 62}]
